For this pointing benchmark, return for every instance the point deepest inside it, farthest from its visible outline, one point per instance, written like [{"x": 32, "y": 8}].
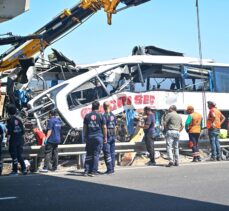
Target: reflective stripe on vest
[
  {"x": 195, "y": 125},
  {"x": 214, "y": 122}
]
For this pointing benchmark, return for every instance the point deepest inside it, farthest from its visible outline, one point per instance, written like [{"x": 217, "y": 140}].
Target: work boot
[
  {"x": 25, "y": 172},
  {"x": 93, "y": 174},
  {"x": 199, "y": 158},
  {"x": 13, "y": 173},
  {"x": 85, "y": 174},
  {"x": 176, "y": 163},
  {"x": 151, "y": 163},
  {"x": 170, "y": 164},
  {"x": 219, "y": 159},
  {"x": 194, "y": 159},
  {"x": 109, "y": 172},
  {"x": 212, "y": 159}
]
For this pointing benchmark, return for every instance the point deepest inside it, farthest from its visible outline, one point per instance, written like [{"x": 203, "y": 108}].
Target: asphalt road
[{"x": 202, "y": 186}]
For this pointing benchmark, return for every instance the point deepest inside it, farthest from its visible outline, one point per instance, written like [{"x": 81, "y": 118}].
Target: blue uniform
[
  {"x": 109, "y": 147},
  {"x": 150, "y": 120},
  {"x": 150, "y": 136},
  {"x": 16, "y": 131},
  {"x": 54, "y": 124},
  {"x": 51, "y": 148},
  {"x": 94, "y": 140}
]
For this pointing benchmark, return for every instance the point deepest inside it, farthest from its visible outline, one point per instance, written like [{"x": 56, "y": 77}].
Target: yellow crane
[{"x": 29, "y": 46}]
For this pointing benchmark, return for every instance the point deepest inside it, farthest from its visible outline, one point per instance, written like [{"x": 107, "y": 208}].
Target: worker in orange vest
[
  {"x": 193, "y": 126},
  {"x": 214, "y": 121}
]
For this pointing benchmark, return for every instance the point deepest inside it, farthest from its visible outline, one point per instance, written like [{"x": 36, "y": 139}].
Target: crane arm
[
  {"x": 28, "y": 46},
  {"x": 17, "y": 39}
]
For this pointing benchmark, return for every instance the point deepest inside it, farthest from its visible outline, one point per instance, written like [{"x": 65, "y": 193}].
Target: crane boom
[
  {"x": 15, "y": 39},
  {"x": 65, "y": 21}
]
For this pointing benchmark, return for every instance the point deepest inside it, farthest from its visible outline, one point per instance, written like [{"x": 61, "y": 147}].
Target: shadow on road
[{"x": 43, "y": 192}]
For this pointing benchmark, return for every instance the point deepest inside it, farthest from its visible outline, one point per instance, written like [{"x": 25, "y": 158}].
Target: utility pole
[{"x": 201, "y": 64}]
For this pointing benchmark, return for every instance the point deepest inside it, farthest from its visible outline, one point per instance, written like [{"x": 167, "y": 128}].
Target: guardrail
[{"x": 36, "y": 152}]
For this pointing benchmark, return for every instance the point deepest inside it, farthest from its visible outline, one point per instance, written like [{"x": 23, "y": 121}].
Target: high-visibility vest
[
  {"x": 195, "y": 125},
  {"x": 214, "y": 122}
]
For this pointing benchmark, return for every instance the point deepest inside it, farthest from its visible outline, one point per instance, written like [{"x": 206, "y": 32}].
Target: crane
[{"x": 29, "y": 46}]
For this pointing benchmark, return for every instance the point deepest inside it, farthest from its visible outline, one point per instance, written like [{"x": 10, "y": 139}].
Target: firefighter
[
  {"x": 193, "y": 126},
  {"x": 214, "y": 121},
  {"x": 15, "y": 140},
  {"x": 109, "y": 147},
  {"x": 95, "y": 135}
]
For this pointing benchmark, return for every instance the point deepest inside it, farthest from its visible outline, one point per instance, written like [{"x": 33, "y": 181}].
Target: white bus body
[{"x": 133, "y": 82}]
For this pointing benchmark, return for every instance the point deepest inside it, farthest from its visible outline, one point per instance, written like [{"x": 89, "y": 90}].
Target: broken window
[
  {"x": 116, "y": 80},
  {"x": 170, "y": 77},
  {"x": 37, "y": 85},
  {"x": 86, "y": 93}
]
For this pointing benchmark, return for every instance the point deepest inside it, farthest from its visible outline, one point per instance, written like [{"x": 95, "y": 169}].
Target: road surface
[{"x": 197, "y": 186}]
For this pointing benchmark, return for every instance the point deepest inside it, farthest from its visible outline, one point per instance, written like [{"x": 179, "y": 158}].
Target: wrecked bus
[{"x": 133, "y": 82}]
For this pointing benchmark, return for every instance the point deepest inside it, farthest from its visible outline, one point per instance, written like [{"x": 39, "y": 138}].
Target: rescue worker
[
  {"x": 109, "y": 147},
  {"x": 95, "y": 135},
  {"x": 150, "y": 134},
  {"x": 193, "y": 126},
  {"x": 173, "y": 126},
  {"x": 15, "y": 140},
  {"x": 1, "y": 140},
  {"x": 214, "y": 121},
  {"x": 52, "y": 141}
]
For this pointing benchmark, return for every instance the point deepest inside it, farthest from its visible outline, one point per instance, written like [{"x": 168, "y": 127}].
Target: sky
[{"x": 168, "y": 24}]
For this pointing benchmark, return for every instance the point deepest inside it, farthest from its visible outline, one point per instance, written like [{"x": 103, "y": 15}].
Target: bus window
[
  {"x": 86, "y": 93},
  {"x": 221, "y": 79},
  {"x": 117, "y": 79}
]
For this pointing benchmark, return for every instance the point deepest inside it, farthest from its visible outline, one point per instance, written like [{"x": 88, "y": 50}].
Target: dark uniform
[
  {"x": 109, "y": 147},
  {"x": 149, "y": 136},
  {"x": 1, "y": 139},
  {"x": 15, "y": 129},
  {"x": 94, "y": 141},
  {"x": 51, "y": 147}
]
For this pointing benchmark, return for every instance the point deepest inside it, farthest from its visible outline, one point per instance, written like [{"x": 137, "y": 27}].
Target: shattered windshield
[{"x": 86, "y": 93}]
